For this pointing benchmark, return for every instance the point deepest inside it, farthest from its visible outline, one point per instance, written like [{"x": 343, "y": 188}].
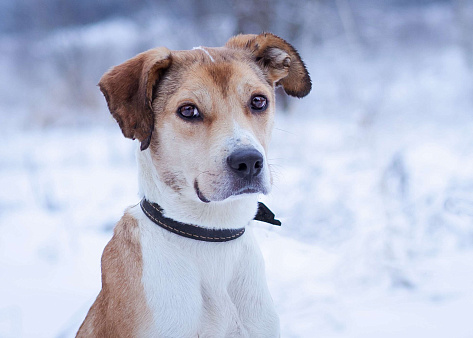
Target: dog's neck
[{"x": 229, "y": 214}]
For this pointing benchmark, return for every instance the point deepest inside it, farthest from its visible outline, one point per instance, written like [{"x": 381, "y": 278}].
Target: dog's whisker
[{"x": 285, "y": 131}]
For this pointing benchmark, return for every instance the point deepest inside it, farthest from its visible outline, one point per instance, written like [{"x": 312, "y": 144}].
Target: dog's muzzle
[{"x": 244, "y": 175}]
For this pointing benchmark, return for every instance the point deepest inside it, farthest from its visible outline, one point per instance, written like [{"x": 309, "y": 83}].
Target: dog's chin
[{"x": 229, "y": 193}]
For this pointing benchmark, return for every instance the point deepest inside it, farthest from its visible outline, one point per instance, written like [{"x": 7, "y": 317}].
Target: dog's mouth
[
  {"x": 247, "y": 190},
  {"x": 199, "y": 193},
  {"x": 250, "y": 189}
]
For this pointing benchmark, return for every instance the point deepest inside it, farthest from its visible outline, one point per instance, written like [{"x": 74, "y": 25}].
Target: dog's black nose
[{"x": 246, "y": 163}]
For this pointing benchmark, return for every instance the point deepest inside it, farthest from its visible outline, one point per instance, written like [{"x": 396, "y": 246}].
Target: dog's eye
[
  {"x": 258, "y": 103},
  {"x": 188, "y": 111}
]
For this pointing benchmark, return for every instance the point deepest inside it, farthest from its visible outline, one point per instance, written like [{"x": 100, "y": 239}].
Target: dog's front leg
[
  {"x": 172, "y": 285},
  {"x": 250, "y": 293}
]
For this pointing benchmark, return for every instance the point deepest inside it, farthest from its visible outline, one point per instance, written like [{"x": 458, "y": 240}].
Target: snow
[
  {"x": 348, "y": 261},
  {"x": 373, "y": 181}
]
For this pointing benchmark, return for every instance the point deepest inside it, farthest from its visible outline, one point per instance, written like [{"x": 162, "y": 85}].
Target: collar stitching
[{"x": 186, "y": 233}]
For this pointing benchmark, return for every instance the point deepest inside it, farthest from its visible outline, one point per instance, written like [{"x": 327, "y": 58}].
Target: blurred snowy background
[{"x": 374, "y": 169}]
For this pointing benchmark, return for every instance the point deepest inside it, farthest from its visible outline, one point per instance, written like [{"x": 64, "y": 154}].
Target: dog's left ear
[
  {"x": 279, "y": 61},
  {"x": 128, "y": 89}
]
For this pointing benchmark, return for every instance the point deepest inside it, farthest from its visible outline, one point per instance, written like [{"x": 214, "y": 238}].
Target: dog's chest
[{"x": 195, "y": 287}]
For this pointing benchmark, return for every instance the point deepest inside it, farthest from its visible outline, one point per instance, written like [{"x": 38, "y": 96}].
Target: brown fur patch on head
[
  {"x": 279, "y": 60},
  {"x": 221, "y": 74},
  {"x": 128, "y": 89},
  {"x": 221, "y": 87}
]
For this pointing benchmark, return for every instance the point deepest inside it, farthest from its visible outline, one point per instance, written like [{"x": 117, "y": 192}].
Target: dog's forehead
[
  {"x": 206, "y": 55},
  {"x": 219, "y": 64}
]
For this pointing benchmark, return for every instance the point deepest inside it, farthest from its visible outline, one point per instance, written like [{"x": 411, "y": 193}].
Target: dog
[{"x": 184, "y": 262}]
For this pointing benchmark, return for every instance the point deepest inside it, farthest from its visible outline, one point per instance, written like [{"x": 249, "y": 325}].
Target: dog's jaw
[{"x": 233, "y": 212}]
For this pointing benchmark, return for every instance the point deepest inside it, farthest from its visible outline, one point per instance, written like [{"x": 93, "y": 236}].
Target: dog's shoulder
[
  {"x": 123, "y": 252},
  {"x": 122, "y": 295},
  {"x": 126, "y": 236}
]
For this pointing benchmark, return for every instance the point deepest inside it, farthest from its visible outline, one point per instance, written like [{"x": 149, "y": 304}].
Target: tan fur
[
  {"x": 120, "y": 308},
  {"x": 182, "y": 157},
  {"x": 129, "y": 87},
  {"x": 211, "y": 95}
]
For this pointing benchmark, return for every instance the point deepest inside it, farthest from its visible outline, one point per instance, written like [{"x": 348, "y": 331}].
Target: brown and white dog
[{"x": 203, "y": 118}]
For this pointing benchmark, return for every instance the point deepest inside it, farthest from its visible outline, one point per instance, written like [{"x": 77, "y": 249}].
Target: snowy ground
[
  {"x": 373, "y": 183},
  {"x": 353, "y": 258}
]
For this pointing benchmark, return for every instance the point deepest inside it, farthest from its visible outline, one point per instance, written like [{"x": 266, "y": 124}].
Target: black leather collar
[{"x": 154, "y": 212}]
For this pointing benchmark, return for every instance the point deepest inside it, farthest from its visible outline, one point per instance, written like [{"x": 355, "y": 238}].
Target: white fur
[
  {"x": 179, "y": 207},
  {"x": 245, "y": 138},
  {"x": 197, "y": 288},
  {"x": 206, "y": 52},
  {"x": 205, "y": 289}
]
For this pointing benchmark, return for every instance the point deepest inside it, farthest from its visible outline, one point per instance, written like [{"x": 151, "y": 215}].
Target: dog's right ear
[{"x": 128, "y": 89}]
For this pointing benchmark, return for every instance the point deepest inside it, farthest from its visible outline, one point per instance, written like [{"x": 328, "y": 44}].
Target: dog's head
[{"x": 206, "y": 115}]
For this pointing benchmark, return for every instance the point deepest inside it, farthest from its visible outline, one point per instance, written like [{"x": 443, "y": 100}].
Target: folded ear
[
  {"x": 278, "y": 59},
  {"x": 128, "y": 89}
]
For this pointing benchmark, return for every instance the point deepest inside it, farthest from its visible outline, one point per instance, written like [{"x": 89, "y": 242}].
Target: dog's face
[
  {"x": 206, "y": 115},
  {"x": 214, "y": 126}
]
